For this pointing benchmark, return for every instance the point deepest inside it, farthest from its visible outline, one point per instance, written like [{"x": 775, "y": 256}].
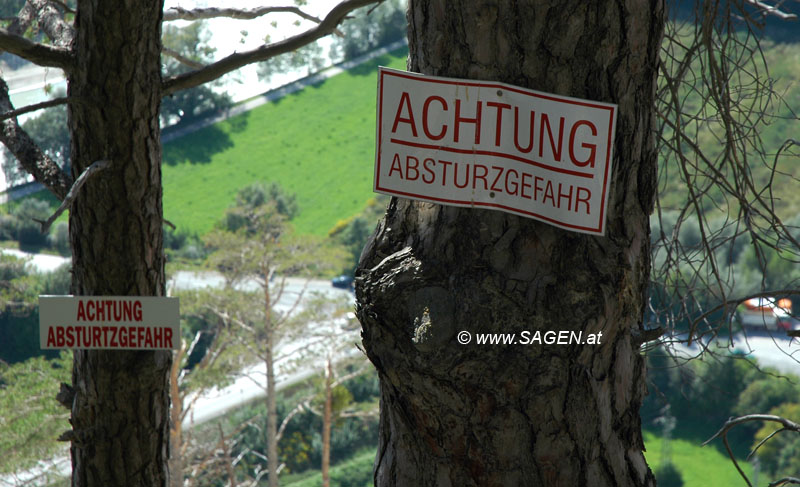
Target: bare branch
[
  {"x": 29, "y": 155},
  {"x": 178, "y": 13},
  {"x": 770, "y": 10},
  {"x": 37, "y": 106},
  {"x": 237, "y": 60},
  {"x": 723, "y": 433},
  {"x": 34, "y": 52},
  {"x": 784, "y": 481},
  {"x": 182, "y": 59},
  {"x": 302, "y": 406},
  {"x": 73, "y": 191}
]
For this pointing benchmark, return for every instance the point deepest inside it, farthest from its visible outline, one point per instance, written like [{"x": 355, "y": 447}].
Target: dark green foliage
[
  {"x": 189, "y": 105},
  {"x": 762, "y": 396},
  {"x": 27, "y": 230},
  {"x": 58, "y": 238},
  {"x": 180, "y": 245},
  {"x": 780, "y": 455},
  {"x": 19, "y": 312},
  {"x": 669, "y": 476},
  {"x": 11, "y": 268},
  {"x": 354, "y": 233},
  {"x": 371, "y": 27},
  {"x": 354, "y": 472},
  {"x": 10, "y": 8},
  {"x": 364, "y": 387},
  {"x": 258, "y": 195},
  {"x": 51, "y": 132},
  {"x": 19, "y": 335}
]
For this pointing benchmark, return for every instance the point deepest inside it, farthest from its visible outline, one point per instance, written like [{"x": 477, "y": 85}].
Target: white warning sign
[{"x": 492, "y": 145}]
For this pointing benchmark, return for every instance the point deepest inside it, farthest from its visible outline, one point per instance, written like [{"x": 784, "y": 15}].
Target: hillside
[{"x": 318, "y": 143}]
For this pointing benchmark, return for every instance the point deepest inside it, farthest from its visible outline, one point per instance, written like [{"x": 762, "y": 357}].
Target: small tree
[
  {"x": 261, "y": 249},
  {"x": 334, "y": 342}
]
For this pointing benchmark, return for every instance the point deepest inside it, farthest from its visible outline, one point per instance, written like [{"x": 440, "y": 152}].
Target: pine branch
[
  {"x": 40, "y": 54},
  {"x": 238, "y": 60},
  {"x": 181, "y": 58},
  {"x": 770, "y": 10},
  {"x": 30, "y": 156},
  {"x": 178, "y": 13},
  {"x": 73, "y": 192},
  {"x": 51, "y": 21},
  {"x": 37, "y": 106}
]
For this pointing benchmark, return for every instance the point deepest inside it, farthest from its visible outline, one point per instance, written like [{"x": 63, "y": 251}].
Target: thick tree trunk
[
  {"x": 508, "y": 415},
  {"x": 120, "y": 415}
]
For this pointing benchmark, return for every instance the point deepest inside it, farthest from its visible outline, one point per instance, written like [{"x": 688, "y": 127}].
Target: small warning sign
[
  {"x": 492, "y": 145},
  {"x": 109, "y": 322}
]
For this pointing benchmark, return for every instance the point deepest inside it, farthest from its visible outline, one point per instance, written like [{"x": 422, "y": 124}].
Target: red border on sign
[{"x": 465, "y": 203}]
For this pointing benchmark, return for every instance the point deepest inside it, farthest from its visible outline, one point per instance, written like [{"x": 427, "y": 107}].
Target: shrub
[{"x": 669, "y": 476}]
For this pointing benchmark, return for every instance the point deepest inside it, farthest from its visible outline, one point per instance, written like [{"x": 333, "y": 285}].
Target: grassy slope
[
  {"x": 700, "y": 466},
  {"x": 353, "y": 472},
  {"x": 318, "y": 143}
]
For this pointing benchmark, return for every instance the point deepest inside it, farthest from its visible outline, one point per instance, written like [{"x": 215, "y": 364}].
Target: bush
[
  {"x": 355, "y": 472},
  {"x": 668, "y": 476},
  {"x": 183, "y": 246},
  {"x": 780, "y": 455},
  {"x": 59, "y": 238},
  {"x": 57, "y": 283},
  {"x": 26, "y": 228},
  {"x": 7, "y": 225}
]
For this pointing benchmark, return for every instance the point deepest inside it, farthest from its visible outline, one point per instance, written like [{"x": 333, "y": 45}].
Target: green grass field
[
  {"x": 700, "y": 466},
  {"x": 353, "y": 472},
  {"x": 318, "y": 143}
]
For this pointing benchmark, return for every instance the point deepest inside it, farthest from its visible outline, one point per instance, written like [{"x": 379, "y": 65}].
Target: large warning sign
[
  {"x": 109, "y": 322},
  {"x": 493, "y": 145}
]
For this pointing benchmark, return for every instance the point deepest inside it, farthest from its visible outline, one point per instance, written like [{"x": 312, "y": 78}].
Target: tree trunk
[
  {"x": 327, "y": 418},
  {"x": 120, "y": 415},
  {"x": 176, "y": 423},
  {"x": 272, "y": 401},
  {"x": 535, "y": 415}
]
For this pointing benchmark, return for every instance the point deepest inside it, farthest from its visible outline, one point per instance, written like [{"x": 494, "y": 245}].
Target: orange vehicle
[{"x": 774, "y": 314}]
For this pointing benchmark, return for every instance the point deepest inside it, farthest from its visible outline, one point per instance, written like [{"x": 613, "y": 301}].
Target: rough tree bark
[
  {"x": 120, "y": 414},
  {"x": 456, "y": 415}
]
